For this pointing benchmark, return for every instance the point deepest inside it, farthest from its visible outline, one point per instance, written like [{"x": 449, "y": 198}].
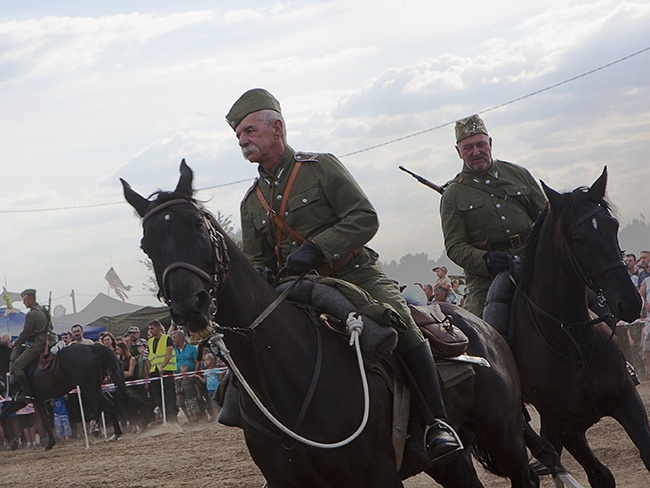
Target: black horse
[
  {"x": 571, "y": 366},
  {"x": 76, "y": 365},
  {"x": 309, "y": 379}
]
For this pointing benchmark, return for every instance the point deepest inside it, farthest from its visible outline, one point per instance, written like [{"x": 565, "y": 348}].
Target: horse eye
[{"x": 198, "y": 224}]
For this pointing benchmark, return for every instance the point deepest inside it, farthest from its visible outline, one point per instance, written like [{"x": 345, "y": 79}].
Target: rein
[
  {"x": 355, "y": 324},
  {"x": 217, "y": 282}
]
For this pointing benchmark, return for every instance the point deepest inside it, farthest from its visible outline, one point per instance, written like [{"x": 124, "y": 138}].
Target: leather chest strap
[{"x": 278, "y": 218}]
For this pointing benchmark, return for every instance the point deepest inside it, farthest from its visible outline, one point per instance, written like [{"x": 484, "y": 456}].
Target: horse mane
[{"x": 561, "y": 216}]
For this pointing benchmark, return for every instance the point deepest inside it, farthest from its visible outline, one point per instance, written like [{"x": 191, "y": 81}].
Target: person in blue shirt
[
  {"x": 61, "y": 420},
  {"x": 186, "y": 354}
]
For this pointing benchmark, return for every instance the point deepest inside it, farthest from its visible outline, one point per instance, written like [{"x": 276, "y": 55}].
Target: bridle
[
  {"x": 217, "y": 280},
  {"x": 588, "y": 278}
]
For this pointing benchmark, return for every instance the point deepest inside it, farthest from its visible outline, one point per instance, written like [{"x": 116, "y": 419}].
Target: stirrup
[{"x": 449, "y": 456}]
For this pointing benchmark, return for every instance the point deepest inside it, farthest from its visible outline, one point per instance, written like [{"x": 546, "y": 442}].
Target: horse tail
[
  {"x": 111, "y": 363},
  {"x": 485, "y": 459}
]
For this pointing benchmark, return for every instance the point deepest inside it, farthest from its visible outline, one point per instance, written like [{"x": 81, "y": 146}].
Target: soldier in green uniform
[
  {"x": 486, "y": 211},
  {"x": 34, "y": 332},
  {"x": 306, "y": 212}
]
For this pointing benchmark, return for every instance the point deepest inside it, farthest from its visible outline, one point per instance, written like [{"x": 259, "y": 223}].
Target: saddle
[
  {"x": 445, "y": 339},
  {"x": 45, "y": 361}
]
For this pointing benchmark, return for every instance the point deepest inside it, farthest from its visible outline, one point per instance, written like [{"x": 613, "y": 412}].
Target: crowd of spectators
[
  {"x": 195, "y": 379},
  {"x": 635, "y": 337}
]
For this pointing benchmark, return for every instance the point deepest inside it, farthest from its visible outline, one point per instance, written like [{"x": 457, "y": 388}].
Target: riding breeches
[{"x": 25, "y": 359}]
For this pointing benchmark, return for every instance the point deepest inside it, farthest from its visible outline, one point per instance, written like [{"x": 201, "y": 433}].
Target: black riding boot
[
  {"x": 25, "y": 392},
  {"x": 441, "y": 441}
]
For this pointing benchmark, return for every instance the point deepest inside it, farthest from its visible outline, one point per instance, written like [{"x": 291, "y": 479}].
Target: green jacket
[
  {"x": 471, "y": 216},
  {"x": 35, "y": 329},
  {"x": 326, "y": 204}
]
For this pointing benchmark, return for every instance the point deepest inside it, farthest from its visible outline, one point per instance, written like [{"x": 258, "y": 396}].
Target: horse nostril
[
  {"x": 203, "y": 300},
  {"x": 177, "y": 318}
]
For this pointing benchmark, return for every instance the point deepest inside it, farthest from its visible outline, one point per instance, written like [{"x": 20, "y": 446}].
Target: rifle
[{"x": 424, "y": 181}]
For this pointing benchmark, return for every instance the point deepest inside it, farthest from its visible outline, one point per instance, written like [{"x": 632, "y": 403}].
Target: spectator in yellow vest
[{"x": 162, "y": 361}]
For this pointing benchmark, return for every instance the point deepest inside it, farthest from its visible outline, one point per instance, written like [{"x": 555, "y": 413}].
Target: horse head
[
  {"x": 188, "y": 250},
  {"x": 586, "y": 239}
]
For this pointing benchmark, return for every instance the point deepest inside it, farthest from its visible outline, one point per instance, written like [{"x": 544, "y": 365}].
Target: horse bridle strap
[
  {"x": 587, "y": 276},
  {"x": 189, "y": 267},
  {"x": 220, "y": 251}
]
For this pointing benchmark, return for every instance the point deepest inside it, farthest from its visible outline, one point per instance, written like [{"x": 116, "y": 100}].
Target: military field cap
[
  {"x": 28, "y": 291},
  {"x": 440, "y": 267},
  {"x": 252, "y": 101},
  {"x": 134, "y": 328},
  {"x": 469, "y": 126}
]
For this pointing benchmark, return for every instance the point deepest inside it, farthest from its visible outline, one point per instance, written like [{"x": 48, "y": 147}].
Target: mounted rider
[
  {"x": 487, "y": 211},
  {"x": 306, "y": 212},
  {"x": 34, "y": 335}
]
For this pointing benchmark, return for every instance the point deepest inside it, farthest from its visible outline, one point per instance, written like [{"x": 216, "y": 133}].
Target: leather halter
[{"x": 219, "y": 248}]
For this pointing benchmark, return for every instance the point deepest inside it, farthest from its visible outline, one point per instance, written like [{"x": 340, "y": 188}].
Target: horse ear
[
  {"x": 555, "y": 200},
  {"x": 599, "y": 186},
  {"x": 185, "y": 181},
  {"x": 138, "y": 202}
]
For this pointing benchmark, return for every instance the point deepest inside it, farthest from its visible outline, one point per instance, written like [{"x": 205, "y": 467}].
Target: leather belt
[
  {"x": 327, "y": 270},
  {"x": 512, "y": 242}
]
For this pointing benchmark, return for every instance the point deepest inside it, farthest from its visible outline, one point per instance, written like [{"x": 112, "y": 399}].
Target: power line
[
  {"x": 550, "y": 87},
  {"x": 376, "y": 146}
]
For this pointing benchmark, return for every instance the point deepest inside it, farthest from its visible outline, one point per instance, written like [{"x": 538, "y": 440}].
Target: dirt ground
[{"x": 213, "y": 455}]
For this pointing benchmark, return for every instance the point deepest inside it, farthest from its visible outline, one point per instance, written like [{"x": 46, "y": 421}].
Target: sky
[{"x": 96, "y": 91}]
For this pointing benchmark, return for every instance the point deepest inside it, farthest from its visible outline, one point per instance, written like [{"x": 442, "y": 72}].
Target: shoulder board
[
  {"x": 305, "y": 157},
  {"x": 248, "y": 192}
]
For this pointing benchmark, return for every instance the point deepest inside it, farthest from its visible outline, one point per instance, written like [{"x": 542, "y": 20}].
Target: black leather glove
[
  {"x": 302, "y": 259},
  {"x": 497, "y": 261},
  {"x": 265, "y": 273}
]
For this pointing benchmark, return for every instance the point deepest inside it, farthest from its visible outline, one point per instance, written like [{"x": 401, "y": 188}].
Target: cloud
[{"x": 54, "y": 45}]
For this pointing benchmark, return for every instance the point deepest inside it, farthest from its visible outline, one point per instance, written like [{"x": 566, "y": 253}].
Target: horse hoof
[{"x": 113, "y": 438}]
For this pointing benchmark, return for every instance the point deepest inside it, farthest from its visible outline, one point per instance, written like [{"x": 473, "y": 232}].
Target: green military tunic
[
  {"x": 474, "y": 221},
  {"x": 34, "y": 331},
  {"x": 327, "y": 206}
]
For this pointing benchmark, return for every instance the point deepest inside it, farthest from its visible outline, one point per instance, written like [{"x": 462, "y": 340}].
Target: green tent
[{"x": 119, "y": 324}]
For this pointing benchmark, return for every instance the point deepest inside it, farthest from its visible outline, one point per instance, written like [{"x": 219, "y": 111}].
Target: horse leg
[
  {"x": 111, "y": 412},
  {"x": 631, "y": 414},
  {"x": 47, "y": 423},
  {"x": 459, "y": 473},
  {"x": 13, "y": 407},
  {"x": 507, "y": 450},
  {"x": 575, "y": 441}
]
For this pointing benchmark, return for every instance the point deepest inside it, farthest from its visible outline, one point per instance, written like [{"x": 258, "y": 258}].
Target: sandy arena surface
[{"x": 213, "y": 455}]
